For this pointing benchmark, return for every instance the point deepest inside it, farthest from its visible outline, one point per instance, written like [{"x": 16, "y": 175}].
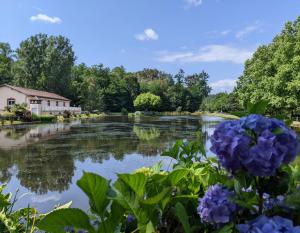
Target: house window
[
  {"x": 35, "y": 101},
  {"x": 48, "y": 103},
  {"x": 64, "y": 104},
  {"x": 11, "y": 102},
  {"x": 56, "y": 103}
]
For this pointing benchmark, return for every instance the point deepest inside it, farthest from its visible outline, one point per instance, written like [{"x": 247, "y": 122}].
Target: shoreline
[{"x": 295, "y": 124}]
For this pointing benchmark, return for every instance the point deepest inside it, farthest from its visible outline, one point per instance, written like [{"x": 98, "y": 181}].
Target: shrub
[
  {"x": 179, "y": 109},
  {"x": 124, "y": 111},
  {"x": 147, "y": 102},
  {"x": 66, "y": 114},
  {"x": 43, "y": 118}
]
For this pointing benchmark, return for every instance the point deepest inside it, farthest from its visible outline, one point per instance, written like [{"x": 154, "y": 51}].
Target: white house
[{"x": 38, "y": 102}]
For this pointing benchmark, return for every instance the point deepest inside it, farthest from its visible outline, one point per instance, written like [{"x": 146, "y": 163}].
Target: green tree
[
  {"x": 273, "y": 73},
  {"x": 147, "y": 101},
  {"x": 45, "y": 62},
  {"x": 221, "y": 102},
  {"x": 197, "y": 85},
  {"x": 89, "y": 84},
  {"x": 6, "y": 62}
]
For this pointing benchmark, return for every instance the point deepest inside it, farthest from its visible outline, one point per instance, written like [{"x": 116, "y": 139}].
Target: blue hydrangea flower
[
  {"x": 270, "y": 203},
  {"x": 256, "y": 143},
  {"x": 130, "y": 218},
  {"x": 230, "y": 142},
  {"x": 263, "y": 224},
  {"x": 215, "y": 207}
]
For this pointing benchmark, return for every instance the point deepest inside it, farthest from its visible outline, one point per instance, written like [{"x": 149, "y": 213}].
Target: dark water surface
[{"x": 45, "y": 161}]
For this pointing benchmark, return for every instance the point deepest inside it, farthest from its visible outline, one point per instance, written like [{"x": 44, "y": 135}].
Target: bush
[
  {"x": 43, "y": 118},
  {"x": 124, "y": 111},
  {"x": 179, "y": 109},
  {"x": 147, "y": 102},
  {"x": 66, "y": 114}
]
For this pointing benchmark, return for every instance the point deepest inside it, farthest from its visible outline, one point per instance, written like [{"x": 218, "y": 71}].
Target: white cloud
[
  {"x": 225, "y": 32},
  {"x": 42, "y": 199},
  {"x": 210, "y": 53},
  {"x": 247, "y": 30},
  {"x": 193, "y": 2},
  {"x": 223, "y": 85},
  {"x": 45, "y": 18},
  {"x": 148, "y": 34}
]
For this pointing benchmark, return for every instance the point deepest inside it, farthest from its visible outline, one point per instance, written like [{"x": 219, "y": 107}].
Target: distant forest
[{"x": 48, "y": 63}]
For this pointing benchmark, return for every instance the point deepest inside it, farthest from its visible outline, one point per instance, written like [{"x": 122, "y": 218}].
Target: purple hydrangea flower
[
  {"x": 256, "y": 143},
  {"x": 215, "y": 207},
  {"x": 263, "y": 224}
]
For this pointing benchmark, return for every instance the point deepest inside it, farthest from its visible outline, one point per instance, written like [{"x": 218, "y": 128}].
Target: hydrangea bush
[
  {"x": 251, "y": 186},
  {"x": 263, "y": 224},
  {"x": 255, "y": 143}
]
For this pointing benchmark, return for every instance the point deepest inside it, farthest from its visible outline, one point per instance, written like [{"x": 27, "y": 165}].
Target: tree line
[{"x": 48, "y": 63}]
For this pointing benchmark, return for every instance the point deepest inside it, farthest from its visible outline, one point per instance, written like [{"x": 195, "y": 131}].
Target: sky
[{"x": 212, "y": 35}]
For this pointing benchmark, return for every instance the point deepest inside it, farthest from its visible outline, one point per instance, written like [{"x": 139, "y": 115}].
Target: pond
[{"x": 43, "y": 162}]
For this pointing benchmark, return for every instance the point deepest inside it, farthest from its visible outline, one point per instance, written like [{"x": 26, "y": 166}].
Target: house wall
[
  {"x": 53, "y": 103},
  {"x": 6, "y": 93}
]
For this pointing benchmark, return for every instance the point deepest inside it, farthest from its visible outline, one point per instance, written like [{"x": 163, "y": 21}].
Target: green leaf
[
  {"x": 113, "y": 220},
  {"x": 150, "y": 228},
  {"x": 181, "y": 214},
  {"x": 173, "y": 152},
  {"x": 56, "y": 221},
  {"x": 177, "y": 175},
  {"x": 157, "y": 198},
  {"x": 226, "y": 229},
  {"x": 95, "y": 187},
  {"x": 258, "y": 108},
  {"x": 136, "y": 181},
  {"x": 157, "y": 167}
]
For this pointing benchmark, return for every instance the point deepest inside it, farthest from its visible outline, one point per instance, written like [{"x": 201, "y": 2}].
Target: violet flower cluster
[
  {"x": 263, "y": 224},
  {"x": 215, "y": 207},
  {"x": 255, "y": 143}
]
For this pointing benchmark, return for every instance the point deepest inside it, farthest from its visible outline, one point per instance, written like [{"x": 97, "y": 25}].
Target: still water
[{"x": 44, "y": 161}]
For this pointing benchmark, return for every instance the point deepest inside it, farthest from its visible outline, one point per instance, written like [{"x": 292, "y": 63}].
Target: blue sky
[{"x": 212, "y": 35}]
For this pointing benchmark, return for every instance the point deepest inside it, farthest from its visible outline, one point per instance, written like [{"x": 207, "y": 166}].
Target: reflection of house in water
[{"x": 24, "y": 135}]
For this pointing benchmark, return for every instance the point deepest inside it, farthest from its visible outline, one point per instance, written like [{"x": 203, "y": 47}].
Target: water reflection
[{"x": 47, "y": 158}]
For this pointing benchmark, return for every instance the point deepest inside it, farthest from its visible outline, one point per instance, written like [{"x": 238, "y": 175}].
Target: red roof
[{"x": 36, "y": 93}]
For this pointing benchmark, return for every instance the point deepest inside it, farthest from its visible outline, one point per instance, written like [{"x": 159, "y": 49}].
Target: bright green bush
[
  {"x": 43, "y": 118},
  {"x": 147, "y": 102}
]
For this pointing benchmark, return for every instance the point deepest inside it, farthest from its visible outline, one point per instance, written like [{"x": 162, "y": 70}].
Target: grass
[
  {"x": 5, "y": 123},
  {"x": 216, "y": 114}
]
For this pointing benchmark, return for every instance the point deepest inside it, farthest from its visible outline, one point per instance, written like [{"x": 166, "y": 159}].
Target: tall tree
[
  {"x": 197, "y": 85},
  {"x": 45, "y": 62},
  {"x": 273, "y": 73},
  {"x": 179, "y": 77},
  {"x": 6, "y": 61}
]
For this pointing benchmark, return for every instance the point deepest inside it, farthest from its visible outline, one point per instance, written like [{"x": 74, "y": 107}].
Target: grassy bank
[
  {"x": 216, "y": 114},
  {"x": 48, "y": 119},
  {"x": 223, "y": 115}
]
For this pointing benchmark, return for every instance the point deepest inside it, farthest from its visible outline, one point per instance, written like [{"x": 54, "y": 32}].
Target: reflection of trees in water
[
  {"x": 16, "y": 133},
  {"x": 49, "y": 166},
  {"x": 146, "y": 134},
  {"x": 42, "y": 171},
  {"x": 39, "y": 170},
  {"x": 6, "y": 163}
]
